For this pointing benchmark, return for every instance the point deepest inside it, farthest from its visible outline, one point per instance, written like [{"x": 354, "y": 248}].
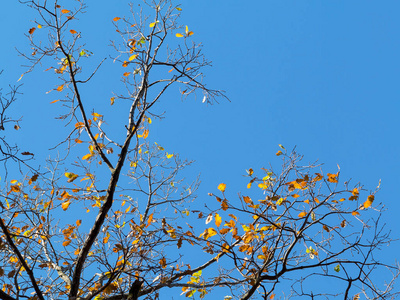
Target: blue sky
[{"x": 321, "y": 76}]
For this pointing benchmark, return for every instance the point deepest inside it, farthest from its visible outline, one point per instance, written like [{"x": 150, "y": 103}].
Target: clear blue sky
[{"x": 319, "y": 75}]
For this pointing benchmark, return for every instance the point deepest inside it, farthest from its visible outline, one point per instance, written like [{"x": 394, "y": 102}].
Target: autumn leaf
[
  {"x": 218, "y": 220},
  {"x": 222, "y": 187},
  {"x": 209, "y": 218},
  {"x": 332, "y": 177},
  {"x": 133, "y": 57},
  {"x": 60, "y": 88},
  {"x": 369, "y": 201},
  {"x": 116, "y": 19},
  {"x": 65, "y": 11},
  {"x": 73, "y": 31},
  {"x": 71, "y": 176},
  {"x": 302, "y": 214},
  {"x": 178, "y": 8},
  {"x": 65, "y": 205},
  {"x": 179, "y": 35},
  {"x": 32, "y": 30},
  {"x": 279, "y": 153},
  {"x": 66, "y": 243},
  {"x": 112, "y": 99}
]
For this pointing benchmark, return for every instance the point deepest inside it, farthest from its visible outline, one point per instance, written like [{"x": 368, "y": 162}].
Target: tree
[{"x": 116, "y": 223}]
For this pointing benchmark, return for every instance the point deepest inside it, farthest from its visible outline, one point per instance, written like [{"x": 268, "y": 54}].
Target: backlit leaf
[
  {"x": 302, "y": 214},
  {"x": 73, "y": 32},
  {"x": 209, "y": 218},
  {"x": 65, "y": 11},
  {"x": 218, "y": 220},
  {"x": 222, "y": 187},
  {"x": 66, "y": 243},
  {"x": 179, "y": 35},
  {"x": 133, "y": 57},
  {"x": 369, "y": 201},
  {"x": 65, "y": 205},
  {"x": 60, "y": 88},
  {"x": 178, "y": 8},
  {"x": 116, "y": 19},
  {"x": 279, "y": 153}
]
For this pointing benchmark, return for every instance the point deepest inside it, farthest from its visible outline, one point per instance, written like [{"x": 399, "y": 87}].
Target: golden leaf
[
  {"x": 222, "y": 187},
  {"x": 116, "y": 19},
  {"x": 179, "y": 35},
  {"x": 66, "y": 243},
  {"x": 65, "y": 11},
  {"x": 369, "y": 201},
  {"x": 218, "y": 220},
  {"x": 65, "y": 204},
  {"x": 332, "y": 177},
  {"x": 302, "y": 214}
]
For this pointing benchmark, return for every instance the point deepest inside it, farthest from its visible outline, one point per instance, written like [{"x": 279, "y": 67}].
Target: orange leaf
[
  {"x": 332, "y": 177},
  {"x": 32, "y": 30},
  {"x": 78, "y": 222},
  {"x": 65, "y": 11},
  {"x": 222, "y": 187},
  {"x": 65, "y": 205},
  {"x": 126, "y": 74},
  {"x": 279, "y": 153},
  {"x": 116, "y": 19},
  {"x": 54, "y": 101},
  {"x": 302, "y": 214},
  {"x": 66, "y": 243},
  {"x": 217, "y": 220},
  {"x": 145, "y": 133},
  {"x": 73, "y": 31},
  {"x": 60, "y": 88},
  {"x": 355, "y": 213},
  {"x": 369, "y": 201},
  {"x": 78, "y": 141}
]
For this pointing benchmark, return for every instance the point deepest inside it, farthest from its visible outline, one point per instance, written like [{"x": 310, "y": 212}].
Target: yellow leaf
[
  {"x": 186, "y": 29},
  {"x": 152, "y": 24},
  {"x": 302, "y": 214},
  {"x": 178, "y": 8},
  {"x": 218, "y": 220},
  {"x": 222, "y": 187},
  {"x": 116, "y": 19},
  {"x": 87, "y": 156},
  {"x": 39, "y": 26},
  {"x": 65, "y": 204},
  {"x": 112, "y": 99},
  {"x": 169, "y": 155},
  {"x": 369, "y": 201},
  {"x": 179, "y": 35},
  {"x": 133, "y": 57},
  {"x": 65, "y": 11}
]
